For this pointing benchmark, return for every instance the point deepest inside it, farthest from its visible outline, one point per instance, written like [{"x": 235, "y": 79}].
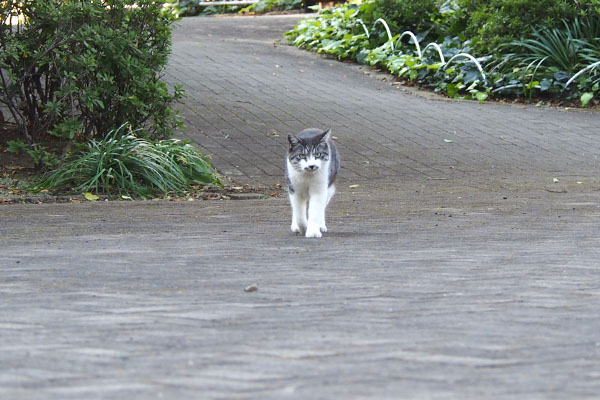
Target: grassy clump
[{"x": 128, "y": 165}]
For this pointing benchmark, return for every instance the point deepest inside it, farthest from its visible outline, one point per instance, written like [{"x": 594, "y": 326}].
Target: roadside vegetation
[
  {"x": 533, "y": 50},
  {"x": 186, "y": 8},
  {"x": 82, "y": 97}
]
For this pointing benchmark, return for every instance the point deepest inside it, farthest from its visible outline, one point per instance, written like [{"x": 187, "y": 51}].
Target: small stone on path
[{"x": 251, "y": 288}]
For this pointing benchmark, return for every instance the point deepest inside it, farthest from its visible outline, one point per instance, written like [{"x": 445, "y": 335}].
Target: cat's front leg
[
  {"x": 298, "y": 213},
  {"x": 316, "y": 216}
]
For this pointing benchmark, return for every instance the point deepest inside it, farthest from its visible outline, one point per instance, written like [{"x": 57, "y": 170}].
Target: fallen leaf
[
  {"x": 90, "y": 197},
  {"x": 354, "y": 186},
  {"x": 448, "y": 141},
  {"x": 554, "y": 180}
]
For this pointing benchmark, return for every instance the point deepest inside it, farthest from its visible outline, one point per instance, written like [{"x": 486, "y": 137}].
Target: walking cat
[{"x": 312, "y": 165}]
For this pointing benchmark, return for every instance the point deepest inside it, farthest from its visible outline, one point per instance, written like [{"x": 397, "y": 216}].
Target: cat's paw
[
  {"x": 323, "y": 228},
  {"x": 313, "y": 233},
  {"x": 297, "y": 229}
]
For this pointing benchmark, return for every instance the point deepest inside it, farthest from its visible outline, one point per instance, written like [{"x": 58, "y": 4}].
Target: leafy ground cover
[{"x": 554, "y": 62}]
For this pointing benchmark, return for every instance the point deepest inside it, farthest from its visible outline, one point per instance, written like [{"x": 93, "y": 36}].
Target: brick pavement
[
  {"x": 245, "y": 88},
  {"x": 460, "y": 271}
]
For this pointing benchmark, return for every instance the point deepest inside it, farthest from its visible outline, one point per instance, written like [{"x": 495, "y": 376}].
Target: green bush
[
  {"x": 183, "y": 8},
  {"x": 560, "y": 63},
  {"x": 337, "y": 32},
  {"x": 424, "y": 18},
  {"x": 546, "y": 61},
  {"x": 491, "y": 23},
  {"x": 78, "y": 69},
  {"x": 274, "y": 5},
  {"x": 123, "y": 163}
]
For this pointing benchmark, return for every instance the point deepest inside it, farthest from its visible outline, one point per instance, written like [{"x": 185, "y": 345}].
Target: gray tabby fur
[{"x": 311, "y": 168}]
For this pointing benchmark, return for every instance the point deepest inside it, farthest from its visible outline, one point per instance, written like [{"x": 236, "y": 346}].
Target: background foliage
[
  {"x": 123, "y": 163},
  {"x": 528, "y": 48},
  {"x": 491, "y": 23},
  {"x": 77, "y": 69},
  {"x": 82, "y": 82}
]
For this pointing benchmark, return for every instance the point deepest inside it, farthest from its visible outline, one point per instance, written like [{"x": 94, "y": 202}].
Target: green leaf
[
  {"x": 585, "y": 98},
  {"x": 16, "y": 146},
  {"x": 435, "y": 66},
  {"x": 451, "y": 89},
  {"x": 545, "y": 84},
  {"x": 481, "y": 96}
]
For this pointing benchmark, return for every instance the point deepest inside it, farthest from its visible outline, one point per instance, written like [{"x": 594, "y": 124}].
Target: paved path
[{"x": 457, "y": 270}]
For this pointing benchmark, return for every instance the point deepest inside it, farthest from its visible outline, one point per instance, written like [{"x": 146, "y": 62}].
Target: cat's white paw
[
  {"x": 323, "y": 228},
  {"x": 313, "y": 233},
  {"x": 297, "y": 228}
]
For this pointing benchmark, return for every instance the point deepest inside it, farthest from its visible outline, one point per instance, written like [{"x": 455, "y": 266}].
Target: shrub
[
  {"x": 274, "y": 5},
  {"x": 123, "y": 163},
  {"x": 78, "y": 69},
  {"x": 337, "y": 32},
  {"x": 490, "y": 23},
  {"x": 546, "y": 60},
  {"x": 561, "y": 62},
  {"x": 183, "y": 8},
  {"x": 424, "y": 17}
]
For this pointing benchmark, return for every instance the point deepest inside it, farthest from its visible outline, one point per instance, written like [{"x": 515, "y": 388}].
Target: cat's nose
[{"x": 312, "y": 168}]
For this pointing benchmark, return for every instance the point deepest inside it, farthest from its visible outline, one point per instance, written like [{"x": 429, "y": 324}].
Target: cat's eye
[
  {"x": 318, "y": 155},
  {"x": 302, "y": 156}
]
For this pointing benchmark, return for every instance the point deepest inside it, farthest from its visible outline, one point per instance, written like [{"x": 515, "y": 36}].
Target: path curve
[{"x": 247, "y": 90}]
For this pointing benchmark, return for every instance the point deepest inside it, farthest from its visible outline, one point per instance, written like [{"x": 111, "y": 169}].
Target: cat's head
[{"x": 308, "y": 151}]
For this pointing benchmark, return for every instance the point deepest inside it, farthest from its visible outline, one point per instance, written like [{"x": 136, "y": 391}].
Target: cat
[{"x": 312, "y": 165}]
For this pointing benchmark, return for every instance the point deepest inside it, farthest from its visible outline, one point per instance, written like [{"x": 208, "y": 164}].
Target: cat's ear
[
  {"x": 326, "y": 135},
  {"x": 293, "y": 140}
]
